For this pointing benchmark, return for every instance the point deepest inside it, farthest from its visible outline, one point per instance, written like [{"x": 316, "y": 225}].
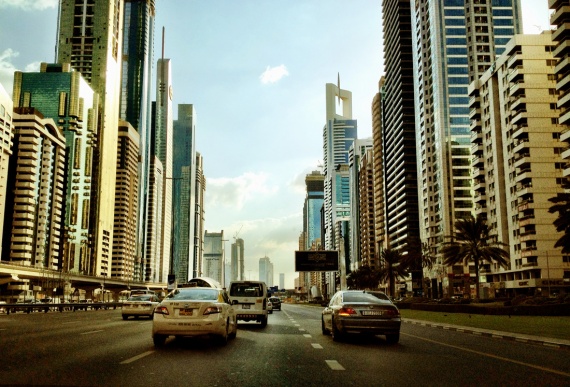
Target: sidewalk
[{"x": 545, "y": 341}]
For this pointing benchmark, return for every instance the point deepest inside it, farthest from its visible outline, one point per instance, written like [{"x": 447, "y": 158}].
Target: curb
[{"x": 521, "y": 338}]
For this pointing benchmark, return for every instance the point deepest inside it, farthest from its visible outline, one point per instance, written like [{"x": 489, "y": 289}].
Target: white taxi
[
  {"x": 194, "y": 311},
  {"x": 139, "y": 305}
]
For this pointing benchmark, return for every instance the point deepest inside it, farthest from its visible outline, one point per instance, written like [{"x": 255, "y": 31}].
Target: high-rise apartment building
[
  {"x": 561, "y": 36},
  {"x": 451, "y": 41},
  {"x": 62, "y": 94},
  {"x": 124, "y": 258},
  {"x": 150, "y": 272},
  {"x": 33, "y": 225},
  {"x": 7, "y": 136},
  {"x": 378, "y": 156},
  {"x": 135, "y": 103},
  {"x": 357, "y": 151},
  {"x": 90, "y": 38},
  {"x": 366, "y": 251},
  {"x": 199, "y": 216},
  {"x": 310, "y": 238},
  {"x": 517, "y": 164},
  {"x": 237, "y": 262},
  {"x": 214, "y": 255},
  {"x": 398, "y": 127},
  {"x": 184, "y": 191}
]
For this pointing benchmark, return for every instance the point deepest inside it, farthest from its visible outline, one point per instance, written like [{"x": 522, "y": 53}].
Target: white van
[{"x": 250, "y": 300}]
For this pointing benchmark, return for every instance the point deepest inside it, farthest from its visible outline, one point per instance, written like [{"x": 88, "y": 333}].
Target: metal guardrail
[{"x": 58, "y": 307}]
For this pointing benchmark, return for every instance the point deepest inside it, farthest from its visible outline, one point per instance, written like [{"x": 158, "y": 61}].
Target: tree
[
  {"x": 562, "y": 223},
  {"x": 363, "y": 278},
  {"x": 472, "y": 243},
  {"x": 394, "y": 267},
  {"x": 419, "y": 257}
]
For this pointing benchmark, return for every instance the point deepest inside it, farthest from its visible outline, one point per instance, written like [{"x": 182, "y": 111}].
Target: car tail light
[
  {"x": 212, "y": 310},
  {"x": 392, "y": 312},
  {"x": 161, "y": 310},
  {"x": 346, "y": 312}
]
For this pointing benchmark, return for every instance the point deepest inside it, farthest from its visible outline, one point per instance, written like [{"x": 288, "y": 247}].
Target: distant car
[
  {"x": 269, "y": 307},
  {"x": 140, "y": 305},
  {"x": 2, "y": 307},
  {"x": 194, "y": 311},
  {"x": 275, "y": 303},
  {"x": 357, "y": 311}
]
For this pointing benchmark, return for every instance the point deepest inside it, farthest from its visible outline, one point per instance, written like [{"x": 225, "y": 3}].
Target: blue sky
[{"x": 255, "y": 71}]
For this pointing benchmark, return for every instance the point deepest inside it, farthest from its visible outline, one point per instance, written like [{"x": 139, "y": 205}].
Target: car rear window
[
  {"x": 139, "y": 298},
  {"x": 358, "y": 297},
  {"x": 246, "y": 290},
  {"x": 194, "y": 294}
]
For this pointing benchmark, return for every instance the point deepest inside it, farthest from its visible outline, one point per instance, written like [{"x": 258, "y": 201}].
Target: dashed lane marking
[
  {"x": 307, "y": 335},
  {"x": 317, "y": 346},
  {"x": 90, "y": 332},
  {"x": 135, "y": 358},
  {"x": 335, "y": 365}
]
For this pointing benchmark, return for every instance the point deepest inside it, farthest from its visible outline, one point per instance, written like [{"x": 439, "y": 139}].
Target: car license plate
[
  {"x": 185, "y": 312},
  {"x": 372, "y": 313},
  {"x": 245, "y": 306}
]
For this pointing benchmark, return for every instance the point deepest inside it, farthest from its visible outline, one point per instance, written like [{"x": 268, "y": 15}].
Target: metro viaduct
[{"x": 48, "y": 279}]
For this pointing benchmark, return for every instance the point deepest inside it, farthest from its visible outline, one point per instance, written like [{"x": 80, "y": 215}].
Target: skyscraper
[
  {"x": 339, "y": 133},
  {"x": 62, "y": 94},
  {"x": 199, "y": 216},
  {"x": 452, "y": 42},
  {"x": 266, "y": 271},
  {"x": 214, "y": 255},
  {"x": 163, "y": 151},
  {"x": 184, "y": 173},
  {"x": 237, "y": 260},
  {"x": 90, "y": 38},
  {"x": 135, "y": 103}
]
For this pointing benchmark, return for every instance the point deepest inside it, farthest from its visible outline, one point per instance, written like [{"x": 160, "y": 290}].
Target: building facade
[
  {"x": 199, "y": 216},
  {"x": 517, "y": 165},
  {"x": 124, "y": 258},
  {"x": 135, "y": 104},
  {"x": 266, "y": 271},
  {"x": 237, "y": 263},
  {"x": 7, "y": 136},
  {"x": 184, "y": 188},
  {"x": 90, "y": 39},
  {"x": 367, "y": 242},
  {"x": 35, "y": 205},
  {"x": 60, "y": 93},
  {"x": 214, "y": 255}
]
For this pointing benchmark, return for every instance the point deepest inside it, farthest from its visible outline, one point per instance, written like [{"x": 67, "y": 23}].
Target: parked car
[
  {"x": 356, "y": 311},
  {"x": 194, "y": 311},
  {"x": 140, "y": 305},
  {"x": 275, "y": 303}
]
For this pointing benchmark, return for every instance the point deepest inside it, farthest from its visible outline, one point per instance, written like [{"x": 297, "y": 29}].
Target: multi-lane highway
[{"x": 98, "y": 348}]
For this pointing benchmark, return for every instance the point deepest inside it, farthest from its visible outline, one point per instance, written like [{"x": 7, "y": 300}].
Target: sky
[{"x": 255, "y": 71}]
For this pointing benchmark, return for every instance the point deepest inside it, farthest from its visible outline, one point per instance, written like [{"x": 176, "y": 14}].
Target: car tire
[
  {"x": 125, "y": 317},
  {"x": 323, "y": 329},
  {"x": 223, "y": 338},
  {"x": 233, "y": 334},
  {"x": 336, "y": 333},
  {"x": 159, "y": 340},
  {"x": 264, "y": 321},
  {"x": 393, "y": 338}
]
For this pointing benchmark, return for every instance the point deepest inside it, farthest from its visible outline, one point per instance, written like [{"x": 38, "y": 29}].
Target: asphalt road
[{"x": 98, "y": 348}]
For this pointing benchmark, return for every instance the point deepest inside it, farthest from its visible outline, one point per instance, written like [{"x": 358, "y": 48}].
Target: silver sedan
[{"x": 355, "y": 311}]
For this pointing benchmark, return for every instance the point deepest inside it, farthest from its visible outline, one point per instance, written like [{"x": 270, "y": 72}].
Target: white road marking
[
  {"x": 135, "y": 358},
  {"x": 335, "y": 365},
  {"x": 317, "y": 346},
  {"x": 90, "y": 332},
  {"x": 307, "y": 335}
]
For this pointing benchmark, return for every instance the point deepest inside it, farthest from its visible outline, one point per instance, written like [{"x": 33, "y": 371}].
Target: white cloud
[
  {"x": 236, "y": 191},
  {"x": 273, "y": 74},
  {"x": 29, "y": 5},
  {"x": 7, "y": 69}
]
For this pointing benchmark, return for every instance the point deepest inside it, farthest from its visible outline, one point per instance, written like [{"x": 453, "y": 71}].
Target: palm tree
[
  {"x": 562, "y": 223},
  {"x": 419, "y": 257},
  {"x": 363, "y": 278},
  {"x": 472, "y": 243},
  {"x": 394, "y": 266}
]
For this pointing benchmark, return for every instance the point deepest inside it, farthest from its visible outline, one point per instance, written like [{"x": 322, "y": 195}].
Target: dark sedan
[{"x": 355, "y": 311}]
